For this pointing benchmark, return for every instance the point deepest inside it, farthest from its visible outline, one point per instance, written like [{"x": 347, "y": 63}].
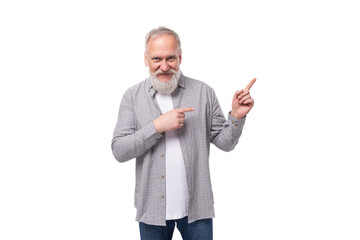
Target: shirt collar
[{"x": 152, "y": 91}]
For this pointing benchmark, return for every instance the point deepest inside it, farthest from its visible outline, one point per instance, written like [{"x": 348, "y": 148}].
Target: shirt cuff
[
  {"x": 236, "y": 122},
  {"x": 150, "y": 135}
]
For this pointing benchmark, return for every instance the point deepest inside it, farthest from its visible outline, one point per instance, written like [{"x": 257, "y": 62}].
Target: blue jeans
[{"x": 199, "y": 230}]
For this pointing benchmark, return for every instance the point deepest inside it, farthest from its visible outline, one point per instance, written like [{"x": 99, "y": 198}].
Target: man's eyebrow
[{"x": 170, "y": 55}]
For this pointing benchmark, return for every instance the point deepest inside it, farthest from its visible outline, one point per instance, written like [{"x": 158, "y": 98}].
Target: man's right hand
[{"x": 171, "y": 120}]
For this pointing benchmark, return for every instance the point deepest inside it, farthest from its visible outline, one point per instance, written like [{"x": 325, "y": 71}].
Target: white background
[{"x": 64, "y": 66}]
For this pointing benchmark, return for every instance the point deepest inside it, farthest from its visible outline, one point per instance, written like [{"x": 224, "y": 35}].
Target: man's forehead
[
  {"x": 163, "y": 37},
  {"x": 164, "y": 41},
  {"x": 159, "y": 54}
]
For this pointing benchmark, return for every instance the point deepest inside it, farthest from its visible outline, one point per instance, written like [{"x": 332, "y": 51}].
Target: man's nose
[{"x": 164, "y": 66}]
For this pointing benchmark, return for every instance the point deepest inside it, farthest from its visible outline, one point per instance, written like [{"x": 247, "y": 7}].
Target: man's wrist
[{"x": 236, "y": 116}]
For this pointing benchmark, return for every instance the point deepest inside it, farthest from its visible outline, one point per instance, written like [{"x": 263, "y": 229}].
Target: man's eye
[
  {"x": 171, "y": 58},
  {"x": 156, "y": 59}
]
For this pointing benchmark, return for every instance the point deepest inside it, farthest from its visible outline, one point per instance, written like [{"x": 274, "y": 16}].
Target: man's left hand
[{"x": 242, "y": 102}]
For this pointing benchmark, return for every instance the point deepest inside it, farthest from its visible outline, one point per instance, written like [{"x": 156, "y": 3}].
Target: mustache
[{"x": 159, "y": 71}]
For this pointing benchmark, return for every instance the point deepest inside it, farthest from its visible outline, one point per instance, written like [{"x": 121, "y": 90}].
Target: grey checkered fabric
[{"x": 135, "y": 137}]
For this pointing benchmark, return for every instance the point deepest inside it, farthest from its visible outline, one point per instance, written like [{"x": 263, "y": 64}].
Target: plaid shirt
[{"x": 135, "y": 137}]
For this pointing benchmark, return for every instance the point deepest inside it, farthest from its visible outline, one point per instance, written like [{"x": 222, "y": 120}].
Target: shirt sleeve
[
  {"x": 129, "y": 142},
  {"x": 224, "y": 134}
]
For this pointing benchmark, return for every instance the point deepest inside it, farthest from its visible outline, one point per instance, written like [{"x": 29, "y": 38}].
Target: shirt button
[
  {"x": 162, "y": 196},
  {"x": 162, "y": 155},
  {"x": 162, "y": 177},
  {"x": 232, "y": 121},
  {"x": 236, "y": 125}
]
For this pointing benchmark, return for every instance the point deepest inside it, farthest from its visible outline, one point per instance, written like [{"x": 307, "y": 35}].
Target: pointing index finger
[
  {"x": 250, "y": 84},
  {"x": 188, "y": 109}
]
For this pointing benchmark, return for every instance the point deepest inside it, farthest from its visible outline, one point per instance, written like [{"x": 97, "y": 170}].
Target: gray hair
[{"x": 157, "y": 32}]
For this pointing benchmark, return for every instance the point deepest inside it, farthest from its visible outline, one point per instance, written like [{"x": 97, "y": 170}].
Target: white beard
[{"x": 165, "y": 87}]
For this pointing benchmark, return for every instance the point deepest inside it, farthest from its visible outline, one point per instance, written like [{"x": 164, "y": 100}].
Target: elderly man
[{"x": 167, "y": 123}]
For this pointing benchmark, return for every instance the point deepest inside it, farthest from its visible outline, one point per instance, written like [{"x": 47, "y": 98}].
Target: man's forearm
[
  {"x": 228, "y": 135},
  {"x": 126, "y": 147}
]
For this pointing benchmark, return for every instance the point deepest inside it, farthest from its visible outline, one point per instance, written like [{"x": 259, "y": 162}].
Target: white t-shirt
[{"x": 177, "y": 195}]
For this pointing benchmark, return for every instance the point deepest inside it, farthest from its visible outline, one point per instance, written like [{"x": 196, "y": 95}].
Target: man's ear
[
  {"x": 180, "y": 57},
  {"x": 146, "y": 59}
]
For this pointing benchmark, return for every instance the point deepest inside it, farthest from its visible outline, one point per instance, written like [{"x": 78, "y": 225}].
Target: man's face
[{"x": 162, "y": 56}]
